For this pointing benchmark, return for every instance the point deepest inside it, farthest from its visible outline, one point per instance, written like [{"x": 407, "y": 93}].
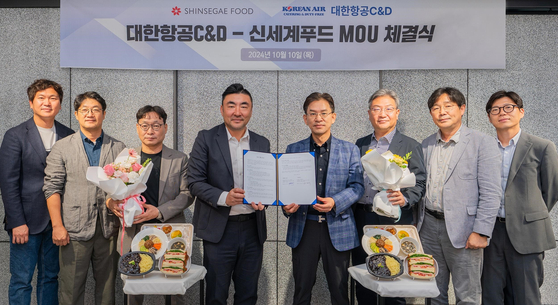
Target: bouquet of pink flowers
[{"x": 124, "y": 179}]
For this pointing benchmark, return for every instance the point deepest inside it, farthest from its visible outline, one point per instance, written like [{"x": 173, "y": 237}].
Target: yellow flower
[{"x": 401, "y": 161}]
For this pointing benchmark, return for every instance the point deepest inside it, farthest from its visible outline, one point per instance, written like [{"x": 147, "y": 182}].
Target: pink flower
[
  {"x": 109, "y": 170},
  {"x": 124, "y": 177},
  {"x": 132, "y": 153},
  {"x": 136, "y": 167}
]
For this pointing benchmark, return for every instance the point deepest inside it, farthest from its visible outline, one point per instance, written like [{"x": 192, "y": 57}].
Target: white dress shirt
[{"x": 236, "y": 149}]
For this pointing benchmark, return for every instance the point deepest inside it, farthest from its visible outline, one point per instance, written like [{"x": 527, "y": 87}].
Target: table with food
[
  {"x": 160, "y": 261},
  {"x": 396, "y": 265}
]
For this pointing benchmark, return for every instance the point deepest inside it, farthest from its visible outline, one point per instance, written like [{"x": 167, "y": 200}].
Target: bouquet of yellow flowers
[{"x": 387, "y": 171}]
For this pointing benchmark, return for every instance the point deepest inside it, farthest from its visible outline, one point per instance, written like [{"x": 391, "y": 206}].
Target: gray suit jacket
[
  {"x": 174, "y": 195},
  {"x": 82, "y": 201},
  {"x": 472, "y": 189},
  {"x": 531, "y": 192}
]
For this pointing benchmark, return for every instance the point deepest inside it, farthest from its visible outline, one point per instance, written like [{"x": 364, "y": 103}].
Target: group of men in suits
[
  {"x": 476, "y": 199},
  {"x": 481, "y": 204},
  {"x": 61, "y": 223}
]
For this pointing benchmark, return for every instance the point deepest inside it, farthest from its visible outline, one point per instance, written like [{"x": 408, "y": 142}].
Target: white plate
[
  {"x": 147, "y": 232},
  {"x": 366, "y": 240}
]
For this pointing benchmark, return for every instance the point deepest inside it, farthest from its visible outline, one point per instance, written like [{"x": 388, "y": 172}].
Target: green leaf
[{"x": 408, "y": 156}]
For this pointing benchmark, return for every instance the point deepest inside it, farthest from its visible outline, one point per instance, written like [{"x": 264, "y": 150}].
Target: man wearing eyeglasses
[
  {"x": 513, "y": 262},
  {"x": 326, "y": 229},
  {"x": 82, "y": 225},
  {"x": 167, "y": 192},
  {"x": 383, "y": 112},
  {"x": 456, "y": 216}
]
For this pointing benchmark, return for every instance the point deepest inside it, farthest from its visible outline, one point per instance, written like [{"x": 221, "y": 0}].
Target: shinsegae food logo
[{"x": 176, "y": 11}]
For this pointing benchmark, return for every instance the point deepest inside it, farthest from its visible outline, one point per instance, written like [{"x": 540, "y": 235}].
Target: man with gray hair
[{"x": 383, "y": 112}]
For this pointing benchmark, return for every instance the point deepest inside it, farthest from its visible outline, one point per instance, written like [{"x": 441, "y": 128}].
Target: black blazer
[
  {"x": 401, "y": 145},
  {"x": 22, "y": 172},
  {"x": 209, "y": 174}
]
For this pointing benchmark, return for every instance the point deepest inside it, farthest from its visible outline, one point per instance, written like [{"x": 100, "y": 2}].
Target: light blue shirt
[{"x": 507, "y": 157}]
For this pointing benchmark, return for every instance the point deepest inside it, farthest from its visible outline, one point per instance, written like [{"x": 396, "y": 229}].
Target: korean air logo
[{"x": 303, "y": 8}]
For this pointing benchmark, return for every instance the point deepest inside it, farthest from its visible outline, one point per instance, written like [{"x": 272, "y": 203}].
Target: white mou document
[{"x": 279, "y": 179}]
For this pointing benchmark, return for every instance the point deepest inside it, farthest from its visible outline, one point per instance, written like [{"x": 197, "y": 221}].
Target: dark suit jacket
[
  {"x": 22, "y": 172},
  {"x": 401, "y": 145},
  {"x": 531, "y": 192},
  {"x": 209, "y": 174}
]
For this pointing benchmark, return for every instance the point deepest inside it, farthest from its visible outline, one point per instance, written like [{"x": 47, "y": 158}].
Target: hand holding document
[{"x": 279, "y": 179}]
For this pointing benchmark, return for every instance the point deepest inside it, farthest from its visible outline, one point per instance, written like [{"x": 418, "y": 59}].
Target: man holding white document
[
  {"x": 383, "y": 112},
  {"x": 326, "y": 229},
  {"x": 233, "y": 233}
]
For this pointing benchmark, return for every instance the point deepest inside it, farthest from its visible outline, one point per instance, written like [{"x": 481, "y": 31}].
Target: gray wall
[{"x": 29, "y": 49}]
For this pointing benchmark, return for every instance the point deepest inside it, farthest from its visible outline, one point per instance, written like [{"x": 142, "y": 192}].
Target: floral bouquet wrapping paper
[
  {"x": 387, "y": 171},
  {"x": 124, "y": 179}
]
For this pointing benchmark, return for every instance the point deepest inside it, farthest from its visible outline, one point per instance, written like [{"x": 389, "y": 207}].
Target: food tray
[
  {"x": 412, "y": 230},
  {"x": 187, "y": 230}
]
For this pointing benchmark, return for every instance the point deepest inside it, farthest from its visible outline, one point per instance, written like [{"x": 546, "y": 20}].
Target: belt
[
  {"x": 501, "y": 219},
  {"x": 318, "y": 218},
  {"x": 436, "y": 214},
  {"x": 365, "y": 207},
  {"x": 242, "y": 217}
]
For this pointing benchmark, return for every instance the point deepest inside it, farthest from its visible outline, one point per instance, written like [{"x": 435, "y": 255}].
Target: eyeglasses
[
  {"x": 507, "y": 109},
  {"x": 378, "y": 110},
  {"x": 155, "y": 127},
  {"x": 85, "y": 111},
  {"x": 314, "y": 115}
]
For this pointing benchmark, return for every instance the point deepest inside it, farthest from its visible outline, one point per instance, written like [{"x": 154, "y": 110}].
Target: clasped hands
[{"x": 151, "y": 211}]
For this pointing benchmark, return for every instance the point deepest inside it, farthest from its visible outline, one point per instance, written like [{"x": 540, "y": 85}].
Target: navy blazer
[
  {"x": 22, "y": 173},
  {"x": 344, "y": 184},
  {"x": 401, "y": 145},
  {"x": 209, "y": 174}
]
